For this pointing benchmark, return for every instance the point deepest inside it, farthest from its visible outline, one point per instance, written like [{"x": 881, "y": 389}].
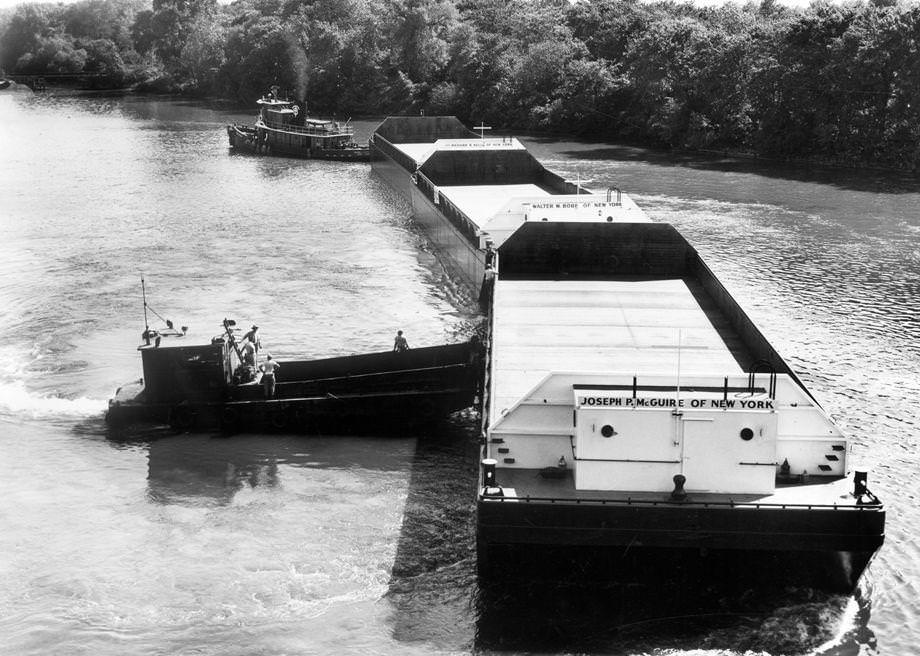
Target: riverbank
[{"x": 803, "y": 165}]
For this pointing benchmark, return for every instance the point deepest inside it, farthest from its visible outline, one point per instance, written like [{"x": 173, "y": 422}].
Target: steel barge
[
  {"x": 283, "y": 128},
  {"x": 630, "y": 405},
  {"x": 212, "y": 385}
]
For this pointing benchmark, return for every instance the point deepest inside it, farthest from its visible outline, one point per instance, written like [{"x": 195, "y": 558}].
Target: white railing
[{"x": 337, "y": 131}]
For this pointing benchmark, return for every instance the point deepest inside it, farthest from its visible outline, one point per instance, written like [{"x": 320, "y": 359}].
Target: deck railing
[
  {"x": 393, "y": 153},
  {"x": 337, "y": 131},
  {"x": 629, "y": 501},
  {"x": 454, "y": 214}
]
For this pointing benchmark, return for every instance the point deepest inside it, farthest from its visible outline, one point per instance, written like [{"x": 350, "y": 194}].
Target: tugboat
[
  {"x": 284, "y": 128},
  {"x": 222, "y": 384}
]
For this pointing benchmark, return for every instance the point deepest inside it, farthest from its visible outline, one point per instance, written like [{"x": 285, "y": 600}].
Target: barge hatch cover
[{"x": 594, "y": 325}]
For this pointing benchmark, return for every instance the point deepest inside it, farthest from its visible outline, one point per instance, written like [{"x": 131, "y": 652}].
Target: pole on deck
[
  {"x": 144, "y": 294},
  {"x": 227, "y": 323}
]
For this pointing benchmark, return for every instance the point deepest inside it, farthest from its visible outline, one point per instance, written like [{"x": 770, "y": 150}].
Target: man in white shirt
[{"x": 268, "y": 376}]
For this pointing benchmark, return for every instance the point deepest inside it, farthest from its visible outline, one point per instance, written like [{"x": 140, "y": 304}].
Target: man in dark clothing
[{"x": 400, "y": 344}]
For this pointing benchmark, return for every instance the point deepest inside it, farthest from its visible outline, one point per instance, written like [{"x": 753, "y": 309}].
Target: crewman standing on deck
[
  {"x": 253, "y": 338},
  {"x": 268, "y": 376},
  {"x": 400, "y": 344},
  {"x": 249, "y": 353}
]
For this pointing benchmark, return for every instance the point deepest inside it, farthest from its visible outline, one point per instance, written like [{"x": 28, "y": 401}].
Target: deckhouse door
[{"x": 728, "y": 452}]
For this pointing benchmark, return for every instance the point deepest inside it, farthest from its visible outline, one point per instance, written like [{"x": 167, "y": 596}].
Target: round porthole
[
  {"x": 607, "y": 430},
  {"x": 609, "y": 219},
  {"x": 747, "y": 434}
]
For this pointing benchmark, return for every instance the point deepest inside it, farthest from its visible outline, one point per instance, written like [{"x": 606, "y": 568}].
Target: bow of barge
[{"x": 630, "y": 405}]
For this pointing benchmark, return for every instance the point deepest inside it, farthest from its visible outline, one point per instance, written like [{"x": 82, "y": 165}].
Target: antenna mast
[{"x": 144, "y": 293}]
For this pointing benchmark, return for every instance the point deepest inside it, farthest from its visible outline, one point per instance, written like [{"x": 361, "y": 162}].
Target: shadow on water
[
  {"x": 433, "y": 581},
  {"x": 869, "y": 180},
  {"x": 213, "y": 466},
  {"x": 199, "y": 466}
]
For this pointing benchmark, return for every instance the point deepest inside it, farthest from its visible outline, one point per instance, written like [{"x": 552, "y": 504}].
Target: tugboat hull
[
  {"x": 246, "y": 139},
  {"x": 189, "y": 388}
]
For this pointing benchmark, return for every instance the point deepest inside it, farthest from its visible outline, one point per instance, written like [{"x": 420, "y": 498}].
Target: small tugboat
[
  {"x": 215, "y": 386},
  {"x": 224, "y": 384},
  {"x": 283, "y": 128}
]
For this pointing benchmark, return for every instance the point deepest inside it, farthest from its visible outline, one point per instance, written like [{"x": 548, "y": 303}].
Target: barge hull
[
  {"x": 826, "y": 548},
  {"x": 676, "y": 525},
  {"x": 461, "y": 256}
]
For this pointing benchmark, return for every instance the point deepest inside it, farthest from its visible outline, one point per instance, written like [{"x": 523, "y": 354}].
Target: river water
[{"x": 268, "y": 544}]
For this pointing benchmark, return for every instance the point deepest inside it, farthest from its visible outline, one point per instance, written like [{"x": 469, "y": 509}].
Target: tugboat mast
[{"x": 144, "y": 294}]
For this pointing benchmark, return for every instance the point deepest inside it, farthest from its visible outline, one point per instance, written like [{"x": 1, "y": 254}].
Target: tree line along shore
[{"x": 836, "y": 82}]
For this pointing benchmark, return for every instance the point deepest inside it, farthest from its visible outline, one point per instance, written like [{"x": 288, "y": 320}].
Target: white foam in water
[
  {"x": 846, "y": 624},
  {"x": 15, "y": 399}
]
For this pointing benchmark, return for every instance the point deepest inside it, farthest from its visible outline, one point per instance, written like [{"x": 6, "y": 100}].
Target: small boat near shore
[{"x": 284, "y": 128}]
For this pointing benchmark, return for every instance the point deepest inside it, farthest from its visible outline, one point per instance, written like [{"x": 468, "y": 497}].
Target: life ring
[{"x": 181, "y": 417}]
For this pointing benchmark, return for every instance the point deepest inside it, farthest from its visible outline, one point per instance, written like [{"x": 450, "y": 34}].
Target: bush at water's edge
[{"x": 828, "y": 83}]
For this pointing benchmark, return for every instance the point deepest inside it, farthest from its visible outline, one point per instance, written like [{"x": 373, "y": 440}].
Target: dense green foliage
[{"x": 837, "y": 82}]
